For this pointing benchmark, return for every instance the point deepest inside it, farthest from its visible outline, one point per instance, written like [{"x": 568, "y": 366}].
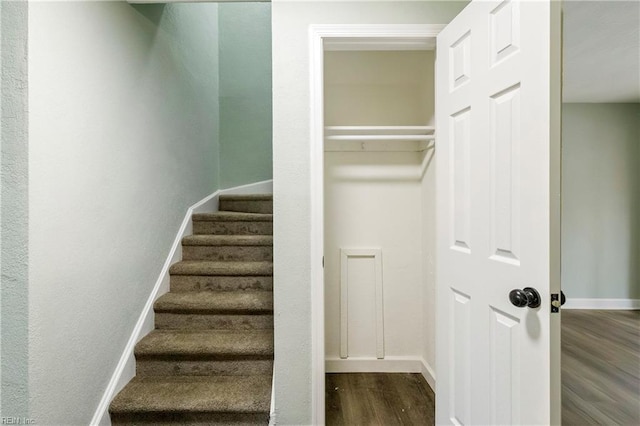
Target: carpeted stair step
[
  {"x": 247, "y": 203},
  {"x": 228, "y": 247},
  {"x": 209, "y": 359},
  {"x": 229, "y": 310},
  {"x": 224, "y": 276},
  {"x": 216, "y": 400},
  {"x": 204, "y": 352},
  {"x": 232, "y": 223}
]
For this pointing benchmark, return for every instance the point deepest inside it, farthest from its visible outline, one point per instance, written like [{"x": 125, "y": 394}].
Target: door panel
[{"x": 498, "y": 103}]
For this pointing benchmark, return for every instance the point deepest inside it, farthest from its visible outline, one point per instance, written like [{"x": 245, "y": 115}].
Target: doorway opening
[
  {"x": 600, "y": 213},
  {"x": 373, "y": 144}
]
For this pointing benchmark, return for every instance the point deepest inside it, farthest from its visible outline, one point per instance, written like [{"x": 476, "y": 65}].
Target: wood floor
[
  {"x": 600, "y": 367},
  {"x": 378, "y": 399},
  {"x": 600, "y": 380}
]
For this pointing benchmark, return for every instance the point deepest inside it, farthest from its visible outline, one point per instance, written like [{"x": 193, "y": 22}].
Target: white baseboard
[
  {"x": 387, "y": 365},
  {"x": 605, "y": 304},
  {"x": 392, "y": 364},
  {"x": 264, "y": 187},
  {"x": 272, "y": 407},
  {"x": 429, "y": 375},
  {"x": 126, "y": 369}
]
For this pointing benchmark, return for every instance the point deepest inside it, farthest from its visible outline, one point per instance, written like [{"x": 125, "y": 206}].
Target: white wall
[
  {"x": 373, "y": 200},
  {"x": 291, "y": 154},
  {"x": 601, "y": 201},
  {"x": 393, "y": 88},
  {"x": 381, "y": 199},
  {"x": 122, "y": 139}
]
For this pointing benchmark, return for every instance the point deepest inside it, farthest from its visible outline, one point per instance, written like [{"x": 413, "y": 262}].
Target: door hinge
[
  {"x": 323, "y": 261},
  {"x": 555, "y": 303}
]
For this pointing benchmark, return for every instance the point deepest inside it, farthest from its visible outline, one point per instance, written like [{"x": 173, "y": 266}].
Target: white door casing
[{"x": 498, "y": 103}]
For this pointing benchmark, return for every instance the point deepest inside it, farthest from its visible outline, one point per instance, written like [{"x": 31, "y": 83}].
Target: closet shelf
[{"x": 378, "y": 138}]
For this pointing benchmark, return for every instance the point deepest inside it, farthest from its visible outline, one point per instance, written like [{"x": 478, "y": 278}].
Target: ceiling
[{"x": 601, "y": 51}]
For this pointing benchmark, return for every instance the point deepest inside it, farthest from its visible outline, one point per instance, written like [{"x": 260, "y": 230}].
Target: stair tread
[
  {"x": 216, "y": 302},
  {"x": 246, "y": 197},
  {"x": 206, "y": 343},
  {"x": 228, "y": 216},
  {"x": 203, "y": 267},
  {"x": 202, "y": 394},
  {"x": 227, "y": 240}
]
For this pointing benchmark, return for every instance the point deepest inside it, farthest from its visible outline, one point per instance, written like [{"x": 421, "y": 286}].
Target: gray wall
[
  {"x": 14, "y": 210},
  {"x": 110, "y": 130},
  {"x": 245, "y": 93},
  {"x": 601, "y": 201},
  {"x": 123, "y": 137}
]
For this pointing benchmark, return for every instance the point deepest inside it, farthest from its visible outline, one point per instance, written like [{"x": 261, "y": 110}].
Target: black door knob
[{"x": 526, "y": 297}]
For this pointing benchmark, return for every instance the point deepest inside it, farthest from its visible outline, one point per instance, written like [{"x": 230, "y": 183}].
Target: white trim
[
  {"x": 345, "y": 254},
  {"x": 125, "y": 369},
  {"x": 397, "y": 364},
  {"x": 318, "y": 35},
  {"x": 316, "y": 251},
  {"x": 264, "y": 187},
  {"x": 193, "y": 1},
  {"x": 608, "y": 304},
  {"x": 429, "y": 374},
  {"x": 272, "y": 407},
  {"x": 377, "y": 44}
]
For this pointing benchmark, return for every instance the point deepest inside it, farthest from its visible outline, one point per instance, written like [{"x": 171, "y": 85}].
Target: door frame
[{"x": 339, "y": 37}]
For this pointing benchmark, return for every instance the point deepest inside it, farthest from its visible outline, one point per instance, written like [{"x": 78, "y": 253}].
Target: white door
[{"x": 498, "y": 217}]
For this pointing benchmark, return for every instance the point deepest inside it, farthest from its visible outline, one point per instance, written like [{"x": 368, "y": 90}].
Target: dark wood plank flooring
[
  {"x": 600, "y": 367},
  {"x": 378, "y": 399},
  {"x": 600, "y": 380}
]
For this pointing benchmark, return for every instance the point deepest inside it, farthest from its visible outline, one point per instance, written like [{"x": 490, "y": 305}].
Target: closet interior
[{"x": 379, "y": 211}]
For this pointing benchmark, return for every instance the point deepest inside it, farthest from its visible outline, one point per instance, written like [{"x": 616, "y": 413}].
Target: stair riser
[
  {"x": 189, "y": 419},
  {"x": 164, "y": 320},
  {"x": 255, "y": 206},
  {"x": 151, "y": 367},
  {"x": 232, "y": 228},
  {"x": 228, "y": 253},
  {"x": 181, "y": 283}
]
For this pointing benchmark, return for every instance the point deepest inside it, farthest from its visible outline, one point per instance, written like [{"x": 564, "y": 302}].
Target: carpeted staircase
[{"x": 209, "y": 360}]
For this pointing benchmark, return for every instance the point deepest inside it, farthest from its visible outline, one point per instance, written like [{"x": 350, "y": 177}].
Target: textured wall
[
  {"x": 245, "y": 93},
  {"x": 291, "y": 161},
  {"x": 601, "y": 201},
  {"x": 123, "y": 129},
  {"x": 14, "y": 183}
]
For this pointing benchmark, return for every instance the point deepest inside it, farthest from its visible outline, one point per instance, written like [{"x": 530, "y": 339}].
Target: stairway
[{"x": 209, "y": 360}]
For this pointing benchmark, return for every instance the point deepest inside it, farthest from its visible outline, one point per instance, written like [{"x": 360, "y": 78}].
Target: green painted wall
[
  {"x": 122, "y": 138},
  {"x": 14, "y": 210},
  {"x": 601, "y": 201},
  {"x": 245, "y": 93}
]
